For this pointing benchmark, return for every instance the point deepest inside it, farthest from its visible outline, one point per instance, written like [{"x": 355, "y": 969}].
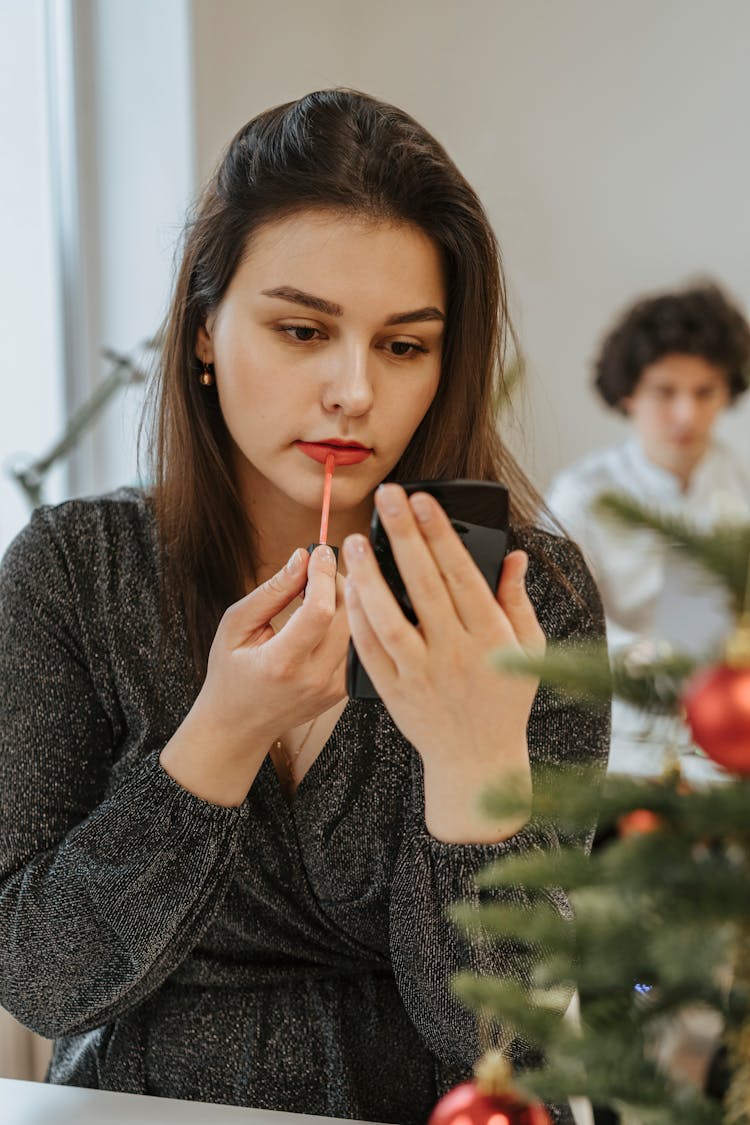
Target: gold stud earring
[{"x": 206, "y": 377}]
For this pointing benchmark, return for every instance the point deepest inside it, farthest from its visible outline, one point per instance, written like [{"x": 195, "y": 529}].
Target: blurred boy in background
[{"x": 672, "y": 364}]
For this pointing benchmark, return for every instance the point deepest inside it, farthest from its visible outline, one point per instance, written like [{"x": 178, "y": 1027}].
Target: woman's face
[{"x": 330, "y": 331}]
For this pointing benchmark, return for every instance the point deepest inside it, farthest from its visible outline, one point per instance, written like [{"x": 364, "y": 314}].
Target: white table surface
[{"x": 36, "y": 1103}]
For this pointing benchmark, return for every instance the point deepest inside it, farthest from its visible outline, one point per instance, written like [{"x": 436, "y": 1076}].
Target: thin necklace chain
[{"x": 291, "y": 758}]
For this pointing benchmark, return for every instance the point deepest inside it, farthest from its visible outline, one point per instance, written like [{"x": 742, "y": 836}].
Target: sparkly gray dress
[{"x": 292, "y": 957}]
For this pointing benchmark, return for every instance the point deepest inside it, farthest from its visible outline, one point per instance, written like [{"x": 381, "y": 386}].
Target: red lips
[{"x": 344, "y": 453}]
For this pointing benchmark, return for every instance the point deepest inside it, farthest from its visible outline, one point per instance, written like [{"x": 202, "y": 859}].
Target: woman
[{"x": 221, "y": 880}]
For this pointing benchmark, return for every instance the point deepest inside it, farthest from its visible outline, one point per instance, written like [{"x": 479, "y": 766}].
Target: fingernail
[
  {"x": 422, "y": 507},
  {"x": 325, "y": 554},
  {"x": 523, "y": 571},
  {"x": 295, "y": 561},
  {"x": 355, "y": 547},
  {"x": 390, "y": 499}
]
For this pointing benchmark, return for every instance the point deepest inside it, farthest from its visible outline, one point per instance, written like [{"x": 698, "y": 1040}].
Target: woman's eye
[
  {"x": 404, "y": 348},
  {"x": 301, "y": 333}
]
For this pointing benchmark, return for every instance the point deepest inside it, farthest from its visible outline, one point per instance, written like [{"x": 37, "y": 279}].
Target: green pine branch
[
  {"x": 654, "y": 685},
  {"x": 662, "y": 909},
  {"x": 723, "y": 552},
  {"x": 573, "y": 798},
  {"x": 542, "y": 926},
  {"x": 660, "y": 918},
  {"x": 536, "y": 1016}
]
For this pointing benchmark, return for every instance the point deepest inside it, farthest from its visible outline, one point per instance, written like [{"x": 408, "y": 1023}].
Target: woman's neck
[{"x": 281, "y": 525}]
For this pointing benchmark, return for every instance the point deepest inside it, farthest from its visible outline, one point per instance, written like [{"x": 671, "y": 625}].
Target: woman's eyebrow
[
  {"x": 430, "y": 312},
  {"x": 298, "y": 297},
  {"x": 320, "y": 304}
]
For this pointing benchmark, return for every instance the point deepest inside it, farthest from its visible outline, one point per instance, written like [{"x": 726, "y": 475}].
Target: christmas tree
[{"x": 660, "y": 943}]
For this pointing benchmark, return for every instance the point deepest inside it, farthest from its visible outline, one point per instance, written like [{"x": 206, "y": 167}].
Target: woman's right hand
[{"x": 260, "y": 682}]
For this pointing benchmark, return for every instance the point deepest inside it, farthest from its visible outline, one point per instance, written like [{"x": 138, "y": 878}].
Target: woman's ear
[{"x": 204, "y": 349}]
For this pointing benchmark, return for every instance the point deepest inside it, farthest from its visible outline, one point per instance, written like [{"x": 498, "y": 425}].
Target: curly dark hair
[{"x": 700, "y": 321}]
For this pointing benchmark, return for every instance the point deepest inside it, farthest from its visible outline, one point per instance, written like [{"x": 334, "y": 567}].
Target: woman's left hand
[{"x": 466, "y": 719}]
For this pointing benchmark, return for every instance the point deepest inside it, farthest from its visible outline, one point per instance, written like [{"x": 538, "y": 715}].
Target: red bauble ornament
[
  {"x": 639, "y": 822},
  {"x": 467, "y": 1105},
  {"x": 717, "y": 706}
]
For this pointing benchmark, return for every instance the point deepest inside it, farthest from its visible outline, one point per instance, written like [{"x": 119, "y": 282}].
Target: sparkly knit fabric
[{"x": 287, "y": 956}]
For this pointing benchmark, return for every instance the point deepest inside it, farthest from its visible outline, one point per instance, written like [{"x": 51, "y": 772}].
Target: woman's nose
[{"x": 348, "y": 387}]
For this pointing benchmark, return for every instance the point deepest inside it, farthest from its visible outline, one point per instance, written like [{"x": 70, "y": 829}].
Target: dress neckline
[{"x": 308, "y": 780}]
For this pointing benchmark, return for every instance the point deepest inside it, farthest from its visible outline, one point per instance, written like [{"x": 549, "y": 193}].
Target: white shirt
[{"x": 647, "y": 590}]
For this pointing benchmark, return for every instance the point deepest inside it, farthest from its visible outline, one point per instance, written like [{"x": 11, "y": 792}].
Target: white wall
[
  {"x": 119, "y": 181},
  {"x": 607, "y": 138},
  {"x": 32, "y": 402},
  {"x": 142, "y": 137}
]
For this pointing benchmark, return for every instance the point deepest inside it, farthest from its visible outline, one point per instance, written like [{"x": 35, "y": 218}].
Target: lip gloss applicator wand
[{"x": 327, "y": 484}]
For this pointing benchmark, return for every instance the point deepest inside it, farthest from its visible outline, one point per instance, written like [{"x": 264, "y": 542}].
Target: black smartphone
[{"x": 478, "y": 511}]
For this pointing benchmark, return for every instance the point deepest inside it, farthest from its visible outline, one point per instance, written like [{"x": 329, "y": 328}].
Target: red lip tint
[{"x": 326, "y": 509}]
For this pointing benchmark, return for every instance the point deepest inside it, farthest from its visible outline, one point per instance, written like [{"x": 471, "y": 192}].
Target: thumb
[
  {"x": 515, "y": 601},
  {"x": 253, "y": 613}
]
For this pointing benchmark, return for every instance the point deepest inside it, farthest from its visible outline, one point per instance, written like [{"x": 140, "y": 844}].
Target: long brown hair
[{"x": 344, "y": 151}]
